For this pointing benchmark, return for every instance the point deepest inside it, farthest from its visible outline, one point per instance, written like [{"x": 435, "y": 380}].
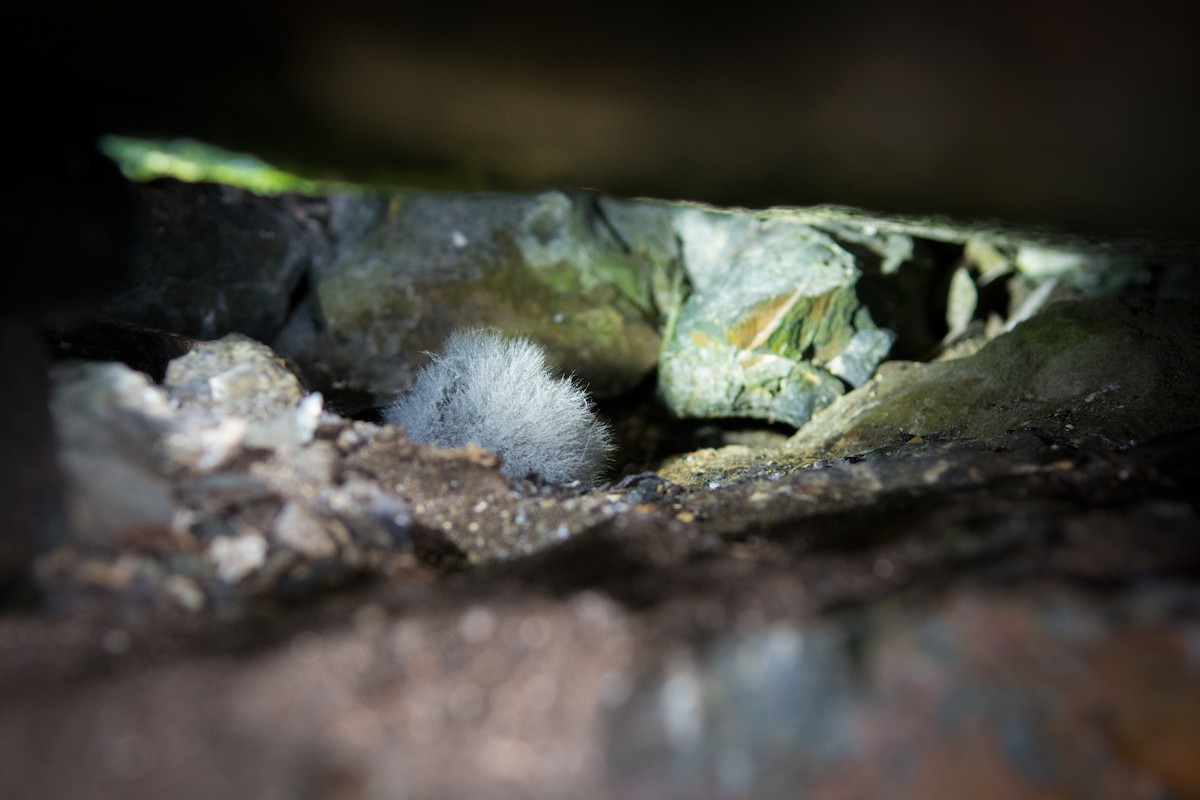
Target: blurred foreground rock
[
  {"x": 988, "y": 584},
  {"x": 1023, "y": 624},
  {"x": 219, "y": 483},
  {"x": 975, "y": 693}
]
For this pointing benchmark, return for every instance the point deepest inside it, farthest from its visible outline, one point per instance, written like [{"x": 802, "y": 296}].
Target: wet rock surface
[{"x": 972, "y": 574}]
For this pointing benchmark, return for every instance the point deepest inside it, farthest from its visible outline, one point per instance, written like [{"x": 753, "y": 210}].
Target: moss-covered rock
[
  {"x": 412, "y": 267},
  {"x": 1121, "y": 369}
]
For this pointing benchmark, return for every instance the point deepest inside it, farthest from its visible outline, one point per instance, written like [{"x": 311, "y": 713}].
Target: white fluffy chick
[{"x": 498, "y": 393}]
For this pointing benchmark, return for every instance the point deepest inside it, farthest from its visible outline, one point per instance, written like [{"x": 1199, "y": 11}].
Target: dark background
[{"x": 1053, "y": 112}]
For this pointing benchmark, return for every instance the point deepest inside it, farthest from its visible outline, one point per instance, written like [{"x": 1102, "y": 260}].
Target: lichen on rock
[
  {"x": 1091, "y": 368},
  {"x": 412, "y": 267},
  {"x": 773, "y": 328}
]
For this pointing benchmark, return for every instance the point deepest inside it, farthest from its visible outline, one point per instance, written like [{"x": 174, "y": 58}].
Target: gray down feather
[{"x": 498, "y": 393}]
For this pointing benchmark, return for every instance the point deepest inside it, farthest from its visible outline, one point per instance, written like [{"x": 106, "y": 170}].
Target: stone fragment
[
  {"x": 108, "y": 420},
  {"x": 960, "y": 302},
  {"x": 299, "y": 530},
  {"x": 240, "y": 381},
  {"x": 233, "y": 376},
  {"x": 235, "y": 557},
  {"x": 290, "y": 428},
  {"x": 185, "y": 591},
  {"x": 1091, "y": 273},
  {"x": 203, "y": 448},
  {"x": 219, "y": 473},
  {"x": 773, "y": 327}
]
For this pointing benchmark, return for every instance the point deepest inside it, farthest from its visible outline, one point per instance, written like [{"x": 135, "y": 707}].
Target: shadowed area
[{"x": 1026, "y": 111}]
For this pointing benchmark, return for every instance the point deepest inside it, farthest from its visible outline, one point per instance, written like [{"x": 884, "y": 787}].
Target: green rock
[
  {"x": 412, "y": 267},
  {"x": 1121, "y": 369},
  {"x": 773, "y": 328}
]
